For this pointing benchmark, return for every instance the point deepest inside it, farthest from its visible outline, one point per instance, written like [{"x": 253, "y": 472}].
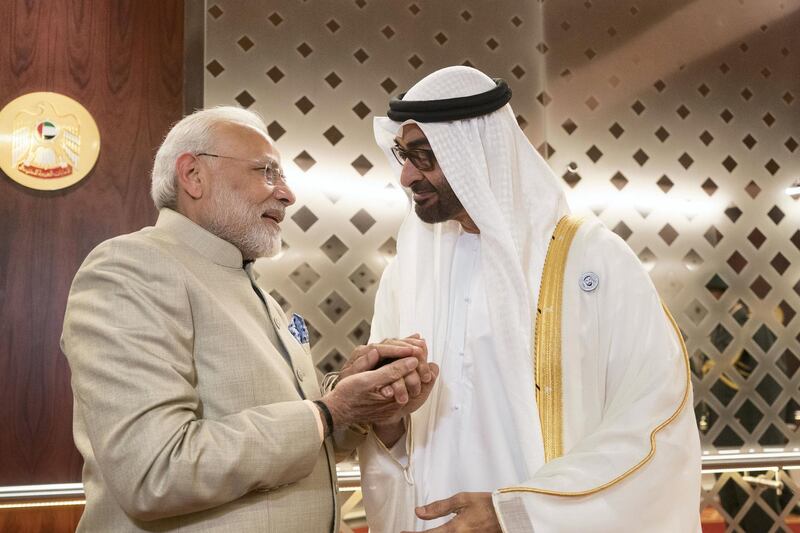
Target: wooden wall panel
[
  {"x": 122, "y": 60},
  {"x": 50, "y": 519}
]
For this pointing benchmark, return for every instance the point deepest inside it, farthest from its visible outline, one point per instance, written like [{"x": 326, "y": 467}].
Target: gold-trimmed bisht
[{"x": 547, "y": 342}]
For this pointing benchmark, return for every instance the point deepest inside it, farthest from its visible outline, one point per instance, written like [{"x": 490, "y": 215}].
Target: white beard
[{"x": 232, "y": 218}]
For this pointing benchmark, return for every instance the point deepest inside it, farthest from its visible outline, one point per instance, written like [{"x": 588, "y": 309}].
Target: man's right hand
[
  {"x": 359, "y": 398},
  {"x": 368, "y": 356},
  {"x": 389, "y": 431}
]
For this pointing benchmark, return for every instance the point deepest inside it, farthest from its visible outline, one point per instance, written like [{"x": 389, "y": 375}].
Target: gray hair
[{"x": 192, "y": 134}]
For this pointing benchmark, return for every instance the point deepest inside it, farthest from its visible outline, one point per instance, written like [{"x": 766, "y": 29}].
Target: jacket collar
[{"x": 199, "y": 239}]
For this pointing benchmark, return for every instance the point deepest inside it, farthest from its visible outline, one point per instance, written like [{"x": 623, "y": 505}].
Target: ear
[{"x": 189, "y": 180}]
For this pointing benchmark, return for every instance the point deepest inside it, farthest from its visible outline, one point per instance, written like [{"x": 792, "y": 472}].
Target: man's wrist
[
  {"x": 326, "y": 417},
  {"x": 389, "y": 425},
  {"x": 390, "y": 433}
]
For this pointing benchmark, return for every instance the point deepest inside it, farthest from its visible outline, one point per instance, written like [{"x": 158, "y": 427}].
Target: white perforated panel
[{"x": 677, "y": 123}]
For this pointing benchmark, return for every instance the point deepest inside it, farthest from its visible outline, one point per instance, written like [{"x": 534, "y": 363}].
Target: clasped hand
[{"x": 385, "y": 395}]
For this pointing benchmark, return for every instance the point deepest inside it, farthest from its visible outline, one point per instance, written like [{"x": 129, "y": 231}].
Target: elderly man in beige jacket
[{"x": 196, "y": 401}]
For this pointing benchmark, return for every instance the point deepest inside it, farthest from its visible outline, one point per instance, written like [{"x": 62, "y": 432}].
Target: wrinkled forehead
[{"x": 244, "y": 140}]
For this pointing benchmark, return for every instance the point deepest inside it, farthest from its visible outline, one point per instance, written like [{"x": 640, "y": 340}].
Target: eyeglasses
[
  {"x": 273, "y": 173},
  {"x": 421, "y": 158}
]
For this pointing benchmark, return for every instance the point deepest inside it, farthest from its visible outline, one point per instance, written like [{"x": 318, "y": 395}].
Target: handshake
[{"x": 381, "y": 384}]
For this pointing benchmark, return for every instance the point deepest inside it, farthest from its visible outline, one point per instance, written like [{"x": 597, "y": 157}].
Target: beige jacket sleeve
[{"x": 128, "y": 336}]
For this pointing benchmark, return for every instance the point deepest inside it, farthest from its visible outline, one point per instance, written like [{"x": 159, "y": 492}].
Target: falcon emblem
[{"x": 45, "y": 144}]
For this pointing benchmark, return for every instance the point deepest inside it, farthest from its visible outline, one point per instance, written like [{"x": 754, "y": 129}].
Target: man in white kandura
[{"x": 563, "y": 401}]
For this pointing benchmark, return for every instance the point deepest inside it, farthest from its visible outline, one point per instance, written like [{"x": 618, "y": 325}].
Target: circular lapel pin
[{"x": 589, "y": 281}]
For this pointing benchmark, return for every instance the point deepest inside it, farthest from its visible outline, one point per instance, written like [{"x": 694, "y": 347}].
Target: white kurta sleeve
[
  {"x": 386, "y": 480},
  {"x": 637, "y": 467}
]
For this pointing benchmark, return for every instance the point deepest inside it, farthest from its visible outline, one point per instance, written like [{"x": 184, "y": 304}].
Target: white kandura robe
[{"x": 624, "y": 375}]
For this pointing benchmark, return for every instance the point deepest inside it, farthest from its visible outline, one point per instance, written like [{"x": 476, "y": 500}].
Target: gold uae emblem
[{"x": 48, "y": 141}]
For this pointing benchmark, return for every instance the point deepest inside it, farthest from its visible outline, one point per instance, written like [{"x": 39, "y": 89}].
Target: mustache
[
  {"x": 277, "y": 212},
  {"x": 422, "y": 187}
]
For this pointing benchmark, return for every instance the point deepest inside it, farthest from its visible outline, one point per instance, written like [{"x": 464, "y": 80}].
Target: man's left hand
[
  {"x": 365, "y": 358},
  {"x": 474, "y": 512}
]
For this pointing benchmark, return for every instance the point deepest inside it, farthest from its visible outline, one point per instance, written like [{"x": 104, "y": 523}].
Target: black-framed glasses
[
  {"x": 273, "y": 173},
  {"x": 422, "y": 158}
]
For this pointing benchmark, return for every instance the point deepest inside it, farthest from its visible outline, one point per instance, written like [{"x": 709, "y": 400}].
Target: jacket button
[{"x": 300, "y": 374}]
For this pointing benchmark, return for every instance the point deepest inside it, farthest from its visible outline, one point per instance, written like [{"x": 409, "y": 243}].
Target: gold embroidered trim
[
  {"x": 547, "y": 337},
  {"x": 652, "y": 452}
]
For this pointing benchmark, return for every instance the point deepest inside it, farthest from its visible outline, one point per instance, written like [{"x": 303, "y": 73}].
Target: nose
[
  {"x": 409, "y": 175},
  {"x": 283, "y": 193}
]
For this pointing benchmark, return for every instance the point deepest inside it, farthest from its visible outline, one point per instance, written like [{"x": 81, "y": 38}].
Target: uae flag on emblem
[{"x": 47, "y": 130}]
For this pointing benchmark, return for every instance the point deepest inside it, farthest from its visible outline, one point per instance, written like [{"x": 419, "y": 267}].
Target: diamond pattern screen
[
  {"x": 676, "y": 123},
  {"x": 682, "y": 145},
  {"x": 319, "y": 72},
  {"x": 683, "y": 150}
]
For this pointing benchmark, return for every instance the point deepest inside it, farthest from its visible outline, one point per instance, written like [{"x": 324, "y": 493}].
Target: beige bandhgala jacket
[{"x": 186, "y": 412}]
